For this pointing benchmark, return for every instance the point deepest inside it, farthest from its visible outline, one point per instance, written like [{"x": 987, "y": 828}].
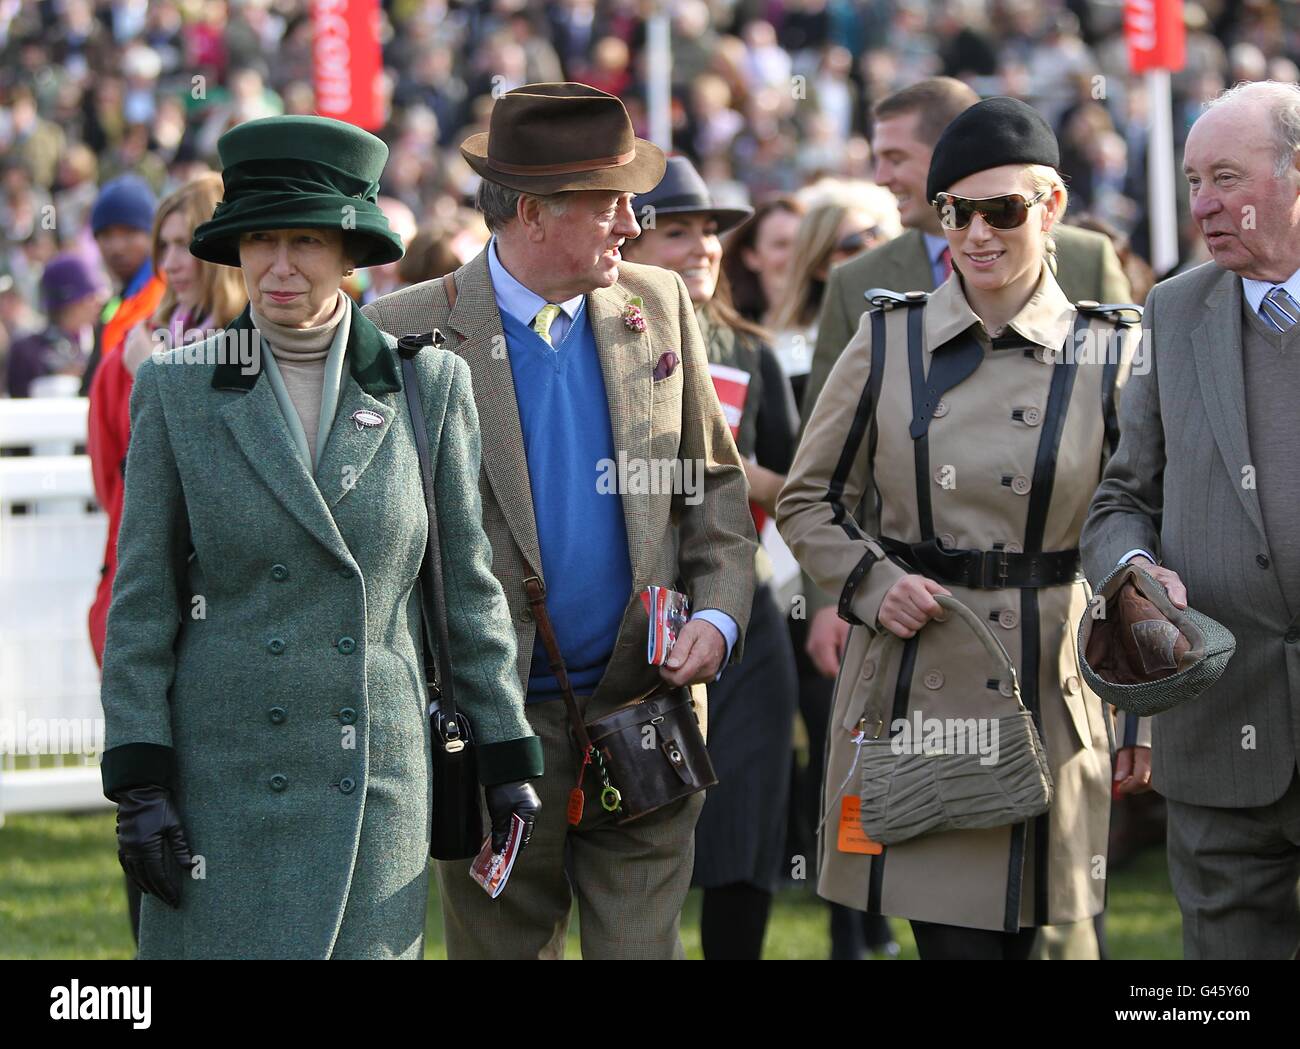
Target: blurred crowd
[{"x": 770, "y": 99}]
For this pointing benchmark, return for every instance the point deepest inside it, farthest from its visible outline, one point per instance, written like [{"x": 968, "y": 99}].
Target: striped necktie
[
  {"x": 542, "y": 322},
  {"x": 1279, "y": 309}
]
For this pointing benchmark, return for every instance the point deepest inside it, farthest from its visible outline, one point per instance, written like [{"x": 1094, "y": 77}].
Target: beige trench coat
[{"x": 993, "y": 470}]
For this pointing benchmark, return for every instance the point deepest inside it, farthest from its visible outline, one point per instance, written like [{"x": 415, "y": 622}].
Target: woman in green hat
[{"x": 269, "y": 753}]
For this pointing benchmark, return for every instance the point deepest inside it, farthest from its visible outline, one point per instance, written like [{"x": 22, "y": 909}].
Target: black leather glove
[
  {"x": 512, "y": 799},
  {"x": 151, "y": 843}
]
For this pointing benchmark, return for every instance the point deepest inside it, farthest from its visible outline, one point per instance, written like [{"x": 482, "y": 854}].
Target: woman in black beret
[
  {"x": 269, "y": 754},
  {"x": 954, "y": 451}
]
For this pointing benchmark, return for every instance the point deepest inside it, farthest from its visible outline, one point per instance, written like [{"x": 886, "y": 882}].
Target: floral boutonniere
[{"x": 633, "y": 317}]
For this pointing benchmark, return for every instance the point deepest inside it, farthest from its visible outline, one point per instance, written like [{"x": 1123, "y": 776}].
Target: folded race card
[
  {"x": 492, "y": 869},
  {"x": 668, "y": 612}
]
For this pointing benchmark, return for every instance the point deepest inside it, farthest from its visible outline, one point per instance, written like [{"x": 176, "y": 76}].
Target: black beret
[{"x": 990, "y": 133}]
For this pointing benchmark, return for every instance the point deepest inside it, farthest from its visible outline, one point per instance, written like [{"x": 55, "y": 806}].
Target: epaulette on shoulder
[
  {"x": 884, "y": 299},
  {"x": 1124, "y": 313}
]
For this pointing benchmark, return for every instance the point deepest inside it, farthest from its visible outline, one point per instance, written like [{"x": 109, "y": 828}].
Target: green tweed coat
[{"x": 285, "y": 706}]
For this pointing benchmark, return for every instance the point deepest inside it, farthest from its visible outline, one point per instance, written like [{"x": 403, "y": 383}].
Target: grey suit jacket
[{"x": 1175, "y": 487}]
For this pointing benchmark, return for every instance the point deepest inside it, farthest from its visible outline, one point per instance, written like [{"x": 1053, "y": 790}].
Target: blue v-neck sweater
[{"x": 564, "y": 415}]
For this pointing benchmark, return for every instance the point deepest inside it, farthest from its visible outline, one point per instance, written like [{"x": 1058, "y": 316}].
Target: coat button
[
  {"x": 526, "y": 615},
  {"x": 1005, "y": 688},
  {"x": 347, "y": 646},
  {"x": 868, "y": 667},
  {"x": 1007, "y": 619},
  {"x": 1033, "y": 416},
  {"x": 348, "y": 716},
  {"x": 933, "y": 679},
  {"x": 948, "y": 541},
  {"x": 1020, "y": 484},
  {"x": 1071, "y": 684},
  {"x": 1292, "y": 636},
  {"x": 347, "y": 785},
  {"x": 275, "y": 646},
  {"x": 941, "y": 409},
  {"x": 1261, "y": 560},
  {"x": 279, "y": 573},
  {"x": 277, "y": 715},
  {"x": 1013, "y": 547},
  {"x": 278, "y": 783}
]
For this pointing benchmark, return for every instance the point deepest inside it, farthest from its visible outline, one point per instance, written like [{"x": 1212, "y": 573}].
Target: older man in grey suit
[{"x": 1204, "y": 491}]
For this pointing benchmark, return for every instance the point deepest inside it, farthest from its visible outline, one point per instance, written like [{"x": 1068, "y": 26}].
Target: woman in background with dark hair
[
  {"x": 740, "y": 838},
  {"x": 756, "y": 257}
]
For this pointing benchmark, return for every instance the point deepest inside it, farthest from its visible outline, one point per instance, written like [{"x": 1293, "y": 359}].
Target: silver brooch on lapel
[{"x": 364, "y": 418}]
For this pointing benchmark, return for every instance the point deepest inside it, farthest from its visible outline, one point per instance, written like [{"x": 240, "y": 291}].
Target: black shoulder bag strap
[{"x": 457, "y": 823}]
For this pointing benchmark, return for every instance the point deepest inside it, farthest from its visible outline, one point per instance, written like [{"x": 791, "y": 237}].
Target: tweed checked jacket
[{"x": 706, "y": 549}]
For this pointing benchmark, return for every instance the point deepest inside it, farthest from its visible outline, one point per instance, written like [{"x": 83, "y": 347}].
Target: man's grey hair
[
  {"x": 499, "y": 203},
  {"x": 1283, "y": 102}
]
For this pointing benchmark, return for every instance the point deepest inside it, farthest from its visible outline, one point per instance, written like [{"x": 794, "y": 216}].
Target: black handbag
[
  {"x": 457, "y": 823},
  {"x": 648, "y": 753}
]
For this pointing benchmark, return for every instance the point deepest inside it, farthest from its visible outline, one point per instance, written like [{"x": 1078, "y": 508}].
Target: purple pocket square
[{"x": 666, "y": 366}]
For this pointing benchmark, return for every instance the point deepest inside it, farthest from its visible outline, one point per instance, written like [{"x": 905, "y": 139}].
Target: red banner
[
  {"x": 1155, "y": 34},
  {"x": 347, "y": 60}
]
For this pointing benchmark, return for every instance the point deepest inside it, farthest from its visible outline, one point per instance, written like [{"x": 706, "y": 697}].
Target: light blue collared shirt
[
  {"x": 934, "y": 246},
  {"x": 523, "y": 303},
  {"x": 1255, "y": 290}
]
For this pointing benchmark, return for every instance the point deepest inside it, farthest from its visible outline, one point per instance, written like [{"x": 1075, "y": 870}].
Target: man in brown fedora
[{"x": 592, "y": 390}]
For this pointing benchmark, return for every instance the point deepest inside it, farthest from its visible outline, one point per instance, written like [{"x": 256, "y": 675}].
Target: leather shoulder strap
[{"x": 536, "y": 591}]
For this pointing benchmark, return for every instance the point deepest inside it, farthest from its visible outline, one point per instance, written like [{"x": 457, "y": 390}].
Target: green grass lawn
[{"x": 61, "y": 896}]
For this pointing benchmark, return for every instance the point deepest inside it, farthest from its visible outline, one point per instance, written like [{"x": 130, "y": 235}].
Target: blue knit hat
[
  {"x": 65, "y": 280},
  {"x": 125, "y": 201}
]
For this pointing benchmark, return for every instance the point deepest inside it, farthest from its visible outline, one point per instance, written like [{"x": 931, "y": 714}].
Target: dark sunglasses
[
  {"x": 856, "y": 242},
  {"x": 1005, "y": 212}
]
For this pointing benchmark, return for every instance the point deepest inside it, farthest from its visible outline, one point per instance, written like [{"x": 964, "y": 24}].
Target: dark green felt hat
[{"x": 298, "y": 172}]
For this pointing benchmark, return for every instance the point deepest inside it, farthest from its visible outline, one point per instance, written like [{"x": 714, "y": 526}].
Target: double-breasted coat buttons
[
  {"x": 347, "y": 646},
  {"x": 348, "y": 716},
  {"x": 933, "y": 680},
  {"x": 275, "y": 646},
  {"x": 277, "y": 715},
  {"x": 1008, "y": 619},
  {"x": 347, "y": 785},
  {"x": 1020, "y": 484},
  {"x": 941, "y": 409},
  {"x": 279, "y": 573},
  {"x": 278, "y": 783}
]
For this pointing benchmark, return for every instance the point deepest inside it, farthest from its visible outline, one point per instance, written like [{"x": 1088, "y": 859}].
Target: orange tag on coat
[
  {"x": 852, "y": 837},
  {"x": 575, "y": 806}
]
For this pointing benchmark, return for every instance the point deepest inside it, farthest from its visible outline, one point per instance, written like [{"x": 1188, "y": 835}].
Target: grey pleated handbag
[{"x": 911, "y": 787}]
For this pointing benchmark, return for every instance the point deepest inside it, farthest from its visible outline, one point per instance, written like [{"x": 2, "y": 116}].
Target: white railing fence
[{"x": 51, "y": 549}]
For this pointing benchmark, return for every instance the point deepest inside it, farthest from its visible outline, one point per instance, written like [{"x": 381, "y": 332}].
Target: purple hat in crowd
[{"x": 66, "y": 280}]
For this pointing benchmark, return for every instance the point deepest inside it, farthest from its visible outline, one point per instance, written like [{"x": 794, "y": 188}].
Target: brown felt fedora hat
[{"x": 550, "y": 138}]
